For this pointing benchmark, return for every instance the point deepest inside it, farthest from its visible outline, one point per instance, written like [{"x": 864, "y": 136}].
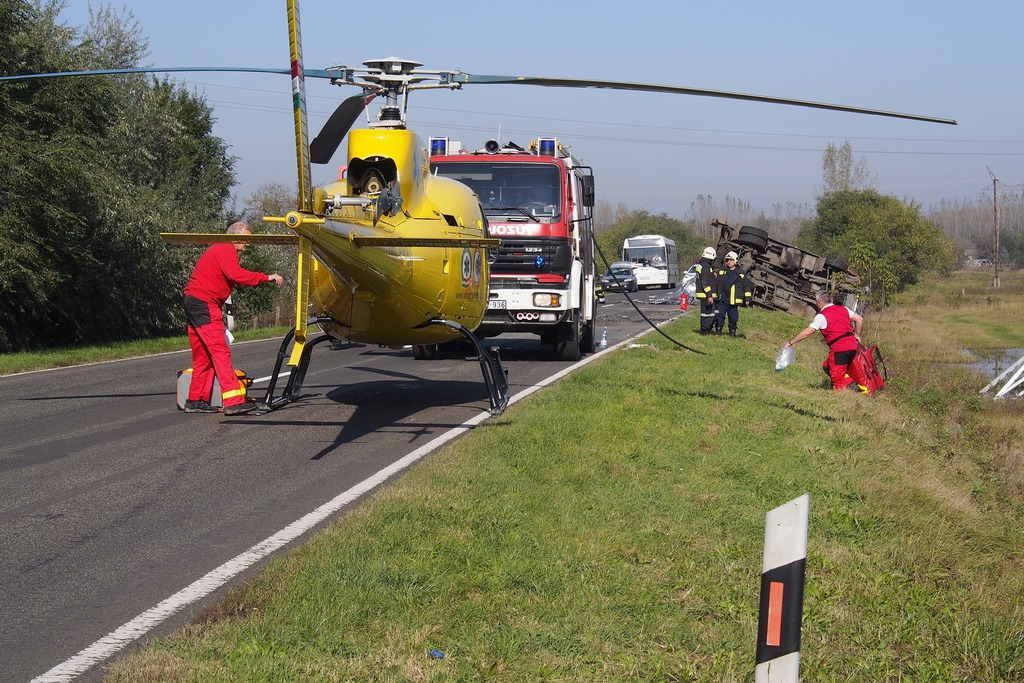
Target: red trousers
[
  {"x": 210, "y": 354},
  {"x": 841, "y": 369}
]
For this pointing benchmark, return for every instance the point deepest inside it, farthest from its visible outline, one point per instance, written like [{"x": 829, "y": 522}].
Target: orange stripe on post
[{"x": 774, "y": 636}]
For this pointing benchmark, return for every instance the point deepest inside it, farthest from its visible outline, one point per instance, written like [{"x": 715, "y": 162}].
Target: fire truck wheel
[
  {"x": 589, "y": 344},
  {"x": 568, "y": 346}
]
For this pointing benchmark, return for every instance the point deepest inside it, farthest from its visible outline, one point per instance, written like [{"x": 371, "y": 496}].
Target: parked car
[
  {"x": 688, "y": 285},
  {"x": 620, "y": 277},
  {"x": 785, "y": 277}
]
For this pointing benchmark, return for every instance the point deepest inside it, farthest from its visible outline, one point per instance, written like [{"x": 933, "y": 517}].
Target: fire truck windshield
[{"x": 531, "y": 189}]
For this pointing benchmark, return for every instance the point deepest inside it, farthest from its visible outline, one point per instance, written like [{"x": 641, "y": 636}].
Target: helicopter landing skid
[
  {"x": 495, "y": 376},
  {"x": 297, "y": 376}
]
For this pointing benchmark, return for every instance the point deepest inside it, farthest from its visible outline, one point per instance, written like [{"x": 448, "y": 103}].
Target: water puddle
[{"x": 991, "y": 364}]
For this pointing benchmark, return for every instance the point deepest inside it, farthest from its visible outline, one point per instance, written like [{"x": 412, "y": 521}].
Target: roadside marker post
[{"x": 782, "y": 593}]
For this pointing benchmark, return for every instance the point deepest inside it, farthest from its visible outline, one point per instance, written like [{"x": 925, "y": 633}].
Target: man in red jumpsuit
[
  {"x": 841, "y": 328},
  {"x": 216, "y": 272}
]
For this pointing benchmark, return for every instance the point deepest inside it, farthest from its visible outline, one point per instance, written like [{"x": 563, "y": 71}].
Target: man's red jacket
[{"x": 217, "y": 271}]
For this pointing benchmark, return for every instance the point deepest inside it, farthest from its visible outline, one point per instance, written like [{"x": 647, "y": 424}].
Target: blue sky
[{"x": 653, "y": 151}]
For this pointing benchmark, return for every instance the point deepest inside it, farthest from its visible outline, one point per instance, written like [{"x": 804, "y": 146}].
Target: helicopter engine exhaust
[{"x": 371, "y": 175}]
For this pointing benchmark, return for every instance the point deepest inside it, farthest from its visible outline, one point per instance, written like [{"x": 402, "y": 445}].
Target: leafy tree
[
  {"x": 253, "y": 303},
  {"x": 641, "y": 222},
  {"x": 93, "y": 169},
  {"x": 49, "y": 135},
  {"x": 884, "y": 239}
]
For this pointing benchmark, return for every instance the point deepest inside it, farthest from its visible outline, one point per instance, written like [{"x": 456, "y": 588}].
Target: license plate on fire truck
[{"x": 496, "y": 303}]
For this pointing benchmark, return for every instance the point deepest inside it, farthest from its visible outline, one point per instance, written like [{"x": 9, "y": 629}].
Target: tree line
[
  {"x": 94, "y": 168},
  {"x": 884, "y": 239},
  {"x": 970, "y": 224}
]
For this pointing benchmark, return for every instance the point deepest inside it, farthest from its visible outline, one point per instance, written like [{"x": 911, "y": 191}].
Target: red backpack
[{"x": 869, "y": 360}]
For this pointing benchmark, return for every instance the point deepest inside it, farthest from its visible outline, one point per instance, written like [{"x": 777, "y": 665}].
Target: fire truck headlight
[{"x": 546, "y": 300}]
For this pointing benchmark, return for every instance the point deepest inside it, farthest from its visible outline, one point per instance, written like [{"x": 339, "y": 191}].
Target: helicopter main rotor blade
[
  {"x": 325, "y": 144},
  {"x": 459, "y": 77},
  {"x": 314, "y": 73},
  {"x": 676, "y": 90}
]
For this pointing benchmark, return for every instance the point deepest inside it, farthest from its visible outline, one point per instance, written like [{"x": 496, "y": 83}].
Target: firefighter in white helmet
[
  {"x": 706, "y": 287},
  {"x": 734, "y": 290}
]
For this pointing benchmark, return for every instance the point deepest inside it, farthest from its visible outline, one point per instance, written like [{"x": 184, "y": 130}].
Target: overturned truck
[{"x": 785, "y": 278}]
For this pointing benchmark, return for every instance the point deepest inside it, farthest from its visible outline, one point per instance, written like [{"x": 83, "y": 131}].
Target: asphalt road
[{"x": 113, "y": 500}]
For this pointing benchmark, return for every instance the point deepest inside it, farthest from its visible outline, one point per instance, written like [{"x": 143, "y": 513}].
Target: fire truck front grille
[{"x": 532, "y": 256}]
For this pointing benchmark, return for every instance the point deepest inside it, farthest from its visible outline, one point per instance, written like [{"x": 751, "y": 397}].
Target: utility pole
[{"x": 995, "y": 212}]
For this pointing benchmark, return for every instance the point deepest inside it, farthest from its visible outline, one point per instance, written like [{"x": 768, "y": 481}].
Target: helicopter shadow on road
[{"x": 390, "y": 405}]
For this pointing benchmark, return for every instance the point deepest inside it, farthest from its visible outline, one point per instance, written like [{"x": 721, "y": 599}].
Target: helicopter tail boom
[
  {"x": 452, "y": 243},
  {"x": 213, "y": 238}
]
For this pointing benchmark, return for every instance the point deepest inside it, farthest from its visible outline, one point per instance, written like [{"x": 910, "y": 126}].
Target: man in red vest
[
  {"x": 841, "y": 328},
  {"x": 216, "y": 272}
]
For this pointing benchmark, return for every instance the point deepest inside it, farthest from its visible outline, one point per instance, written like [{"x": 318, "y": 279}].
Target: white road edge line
[
  {"x": 124, "y": 635},
  {"x": 117, "y": 639}
]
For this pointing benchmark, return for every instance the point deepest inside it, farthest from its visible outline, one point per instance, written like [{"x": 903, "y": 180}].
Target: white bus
[{"x": 656, "y": 256}]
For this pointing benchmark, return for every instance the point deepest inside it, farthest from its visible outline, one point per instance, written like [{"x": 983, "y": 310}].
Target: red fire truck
[{"x": 539, "y": 201}]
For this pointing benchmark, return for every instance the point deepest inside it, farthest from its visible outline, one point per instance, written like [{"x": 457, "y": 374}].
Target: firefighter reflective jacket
[
  {"x": 734, "y": 287},
  {"x": 706, "y": 283}
]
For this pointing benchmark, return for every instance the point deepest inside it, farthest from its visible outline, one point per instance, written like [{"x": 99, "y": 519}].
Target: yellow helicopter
[{"x": 391, "y": 254}]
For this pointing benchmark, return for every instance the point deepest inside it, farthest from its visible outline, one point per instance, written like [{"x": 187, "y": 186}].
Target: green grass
[
  {"x": 611, "y": 529},
  {"x": 57, "y": 358}
]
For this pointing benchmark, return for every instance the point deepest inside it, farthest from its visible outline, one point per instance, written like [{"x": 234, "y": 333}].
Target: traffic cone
[{"x": 683, "y": 301}]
